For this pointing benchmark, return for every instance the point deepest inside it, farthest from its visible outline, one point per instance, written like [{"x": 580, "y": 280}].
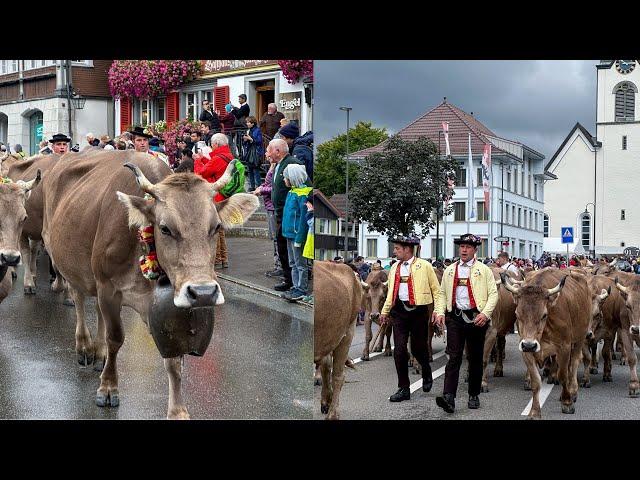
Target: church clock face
[{"x": 625, "y": 66}]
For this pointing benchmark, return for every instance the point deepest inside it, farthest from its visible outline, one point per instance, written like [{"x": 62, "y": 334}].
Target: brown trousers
[{"x": 221, "y": 248}]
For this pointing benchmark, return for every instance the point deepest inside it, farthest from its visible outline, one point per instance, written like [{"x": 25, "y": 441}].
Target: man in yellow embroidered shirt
[
  {"x": 413, "y": 287},
  {"x": 469, "y": 294}
]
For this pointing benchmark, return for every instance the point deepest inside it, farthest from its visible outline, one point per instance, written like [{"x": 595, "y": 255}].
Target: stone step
[
  {"x": 258, "y": 217},
  {"x": 256, "y": 224},
  {"x": 248, "y": 232}
]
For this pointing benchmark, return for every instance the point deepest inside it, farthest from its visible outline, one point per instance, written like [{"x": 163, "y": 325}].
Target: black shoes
[
  {"x": 400, "y": 395},
  {"x": 446, "y": 402},
  {"x": 283, "y": 287},
  {"x": 427, "y": 383},
  {"x": 474, "y": 401}
]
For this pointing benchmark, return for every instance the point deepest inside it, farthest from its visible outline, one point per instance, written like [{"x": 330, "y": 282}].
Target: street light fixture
[
  {"x": 346, "y": 210},
  {"x": 77, "y": 101}
]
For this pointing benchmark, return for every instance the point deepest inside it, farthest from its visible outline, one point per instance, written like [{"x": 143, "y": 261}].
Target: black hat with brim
[
  {"x": 408, "y": 241},
  {"x": 59, "y": 137},
  {"x": 139, "y": 131},
  {"x": 468, "y": 239}
]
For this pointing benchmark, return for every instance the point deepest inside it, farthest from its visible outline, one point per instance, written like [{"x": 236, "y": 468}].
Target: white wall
[
  {"x": 607, "y": 80},
  {"x": 92, "y": 118}
]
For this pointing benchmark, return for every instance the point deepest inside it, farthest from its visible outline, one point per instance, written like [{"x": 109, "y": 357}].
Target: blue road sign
[{"x": 567, "y": 234}]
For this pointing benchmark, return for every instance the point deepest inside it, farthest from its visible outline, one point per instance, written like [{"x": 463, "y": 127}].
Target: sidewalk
[{"x": 249, "y": 259}]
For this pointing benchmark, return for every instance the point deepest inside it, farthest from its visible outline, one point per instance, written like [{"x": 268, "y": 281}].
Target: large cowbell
[{"x": 179, "y": 331}]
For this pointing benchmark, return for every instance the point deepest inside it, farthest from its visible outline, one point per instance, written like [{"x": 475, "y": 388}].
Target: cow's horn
[
  {"x": 364, "y": 284},
  {"x": 613, "y": 263},
  {"x": 510, "y": 288},
  {"x": 604, "y": 294},
  {"x": 143, "y": 182},
  {"x": 385, "y": 283},
  {"x": 557, "y": 288},
  {"x": 26, "y": 186},
  {"x": 224, "y": 179},
  {"x": 622, "y": 288}
]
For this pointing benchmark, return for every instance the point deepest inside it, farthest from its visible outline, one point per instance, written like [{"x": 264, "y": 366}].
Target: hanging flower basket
[
  {"x": 150, "y": 78},
  {"x": 294, "y": 70}
]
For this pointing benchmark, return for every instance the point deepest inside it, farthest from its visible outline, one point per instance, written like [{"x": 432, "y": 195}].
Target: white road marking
[
  {"x": 371, "y": 355},
  {"x": 439, "y": 372},
  {"x": 545, "y": 390}
]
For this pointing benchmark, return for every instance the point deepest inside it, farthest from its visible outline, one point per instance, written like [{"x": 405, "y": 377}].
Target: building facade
[
  {"x": 34, "y": 101},
  {"x": 221, "y": 82},
  {"x": 596, "y": 192},
  {"x": 329, "y": 229},
  {"x": 516, "y": 192}
]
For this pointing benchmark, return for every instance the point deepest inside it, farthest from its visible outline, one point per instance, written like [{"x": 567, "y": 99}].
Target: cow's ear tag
[{"x": 236, "y": 218}]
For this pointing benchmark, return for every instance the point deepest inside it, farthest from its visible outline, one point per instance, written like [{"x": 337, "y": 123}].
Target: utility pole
[{"x": 346, "y": 212}]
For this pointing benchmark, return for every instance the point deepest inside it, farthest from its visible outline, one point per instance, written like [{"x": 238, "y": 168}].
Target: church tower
[{"x": 617, "y": 163}]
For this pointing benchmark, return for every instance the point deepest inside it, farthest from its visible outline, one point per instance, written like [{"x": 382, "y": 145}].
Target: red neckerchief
[
  {"x": 396, "y": 285},
  {"x": 472, "y": 300}
]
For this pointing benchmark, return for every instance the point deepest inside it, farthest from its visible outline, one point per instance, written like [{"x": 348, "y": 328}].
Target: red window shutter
[
  {"x": 173, "y": 104},
  {"x": 221, "y": 98},
  {"x": 125, "y": 114}
]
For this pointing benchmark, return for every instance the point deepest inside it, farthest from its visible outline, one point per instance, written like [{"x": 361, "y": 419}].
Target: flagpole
[{"x": 470, "y": 187}]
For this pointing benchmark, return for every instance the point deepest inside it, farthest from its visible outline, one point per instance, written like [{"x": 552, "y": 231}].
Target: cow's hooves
[
  {"x": 570, "y": 409},
  {"x": 498, "y": 373},
  {"x": 593, "y": 370},
  {"x": 556, "y": 382},
  {"x": 68, "y": 302},
  {"x": 550, "y": 380},
  {"x": 376, "y": 350},
  {"x": 614, "y": 356},
  {"x": 324, "y": 409},
  {"x": 634, "y": 392},
  {"x": 29, "y": 290},
  {"x": 317, "y": 382},
  {"x": 85, "y": 359},
  {"x": 484, "y": 388},
  {"x": 107, "y": 399},
  {"x": 98, "y": 364},
  {"x": 178, "y": 414},
  {"x": 527, "y": 386},
  {"x": 585, "y": 384},
  {"x": 574, "y": 398},
  {"x": 607, "y": 378},
  {"x": 534, "y": 417},
  {"x": 466, "y": 378}
]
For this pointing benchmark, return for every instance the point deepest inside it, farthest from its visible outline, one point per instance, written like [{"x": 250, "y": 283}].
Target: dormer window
[{"x": 625, "y": 101}]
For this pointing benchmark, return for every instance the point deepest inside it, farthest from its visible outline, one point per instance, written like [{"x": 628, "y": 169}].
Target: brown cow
[
  {"x": 338, "y": 296},
  {"x": 31, "y": 236},
  {"x": 553, "y": 313},
  {"x": 13, "y": 216},
  {"x": 375, "y": 293},
  {"x": 93, "y": 207}
]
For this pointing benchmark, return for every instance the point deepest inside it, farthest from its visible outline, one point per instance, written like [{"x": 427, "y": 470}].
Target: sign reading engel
[{"x": 291, "y": 104}]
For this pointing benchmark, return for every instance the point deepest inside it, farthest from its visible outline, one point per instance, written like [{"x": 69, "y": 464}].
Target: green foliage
[
  {"x": 330, "y": 166},
  {"x": 397, "y": 190}
]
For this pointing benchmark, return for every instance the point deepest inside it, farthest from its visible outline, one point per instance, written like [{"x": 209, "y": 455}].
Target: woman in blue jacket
[
  {"x": 295, "y": 228},
  {"x": 253, "y": 151}
]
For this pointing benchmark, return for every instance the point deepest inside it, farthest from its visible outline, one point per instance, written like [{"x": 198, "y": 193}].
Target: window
[
  {"x": 507, "y": 210},
  {"x": 483, "y": 248},
  {"x": 84, "y": 63},
  {"x": 519, "y": 216},
  {"x": 535, "y": 225},
  {"x": 483, "y": 215},
  {"x": 372, "y": 247},
  {"x": 322, "y": 254},
  {"x": 459, "y": 211},
  {"x": 207, "y": 95},
  {"x": 522, "y": 181},
  {"x": 14, "y": 66},
  {"x": 479, "y": 177},
  {"x": 545, "y": 228},
  {"x": 145, "y": 112},
  {"x": 622, "y": 214},
  {"x": 436, "y": 252},
  {"x": 332, "y": 227},
  {"x": 586, "y": 231},
  {"x": 625, "y": 102},
  {"x": 535, "y": 190},
  {"x": 513, "y": 215},
  {"x": 624, "y": 142},
  {"x": 531, "y": 225},
  {"x": 161, "y": 109},
  {"x": 191, "y": 106},
  {"x": 461, "y": 176},
  {"x": 509, "y": 180}
]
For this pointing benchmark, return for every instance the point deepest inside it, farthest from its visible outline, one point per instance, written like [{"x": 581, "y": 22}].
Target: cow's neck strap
[{"x": 149, "y": 265}]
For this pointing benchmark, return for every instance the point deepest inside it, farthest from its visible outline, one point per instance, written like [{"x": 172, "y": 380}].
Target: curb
[{"x": 257, "y": 288}]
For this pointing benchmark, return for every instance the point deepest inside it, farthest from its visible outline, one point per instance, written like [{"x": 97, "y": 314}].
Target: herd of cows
[
  {"x": 86, "y": 208},
  {"x": 560, "y": 316}
]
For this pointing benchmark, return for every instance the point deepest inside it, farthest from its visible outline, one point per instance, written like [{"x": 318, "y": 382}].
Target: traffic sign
[
  {"x": 567, "y": 234},
  {"x": 501, "y": 239}
]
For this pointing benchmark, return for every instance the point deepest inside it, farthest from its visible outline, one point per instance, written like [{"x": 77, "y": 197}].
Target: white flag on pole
[
  {"x": 486, "y": 175},
  {"x": 445, "y": 129},
  {"x": 470, "y": 176}
]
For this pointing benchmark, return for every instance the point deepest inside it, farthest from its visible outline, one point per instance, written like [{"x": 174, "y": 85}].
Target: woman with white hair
[{"x": 295, "y": 228}]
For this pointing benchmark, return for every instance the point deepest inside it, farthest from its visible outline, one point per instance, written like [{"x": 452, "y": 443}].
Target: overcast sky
[{"x": 533, "y": 102}]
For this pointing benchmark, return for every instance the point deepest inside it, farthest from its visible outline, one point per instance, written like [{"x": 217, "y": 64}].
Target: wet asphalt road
[
  {"x": 258, "y": 364},
  {"x": 365, "y": 394}
]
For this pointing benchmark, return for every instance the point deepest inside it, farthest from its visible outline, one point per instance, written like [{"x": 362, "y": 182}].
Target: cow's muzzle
[
  {"x": 9, "y": 258},
  {"x": 199, "y": 295},
  {"x": 589, "y": 335},
  {"x": 374, "y": 316},
  {"x": 634, "y": 330},
  {"x": 529, "y": 346}
]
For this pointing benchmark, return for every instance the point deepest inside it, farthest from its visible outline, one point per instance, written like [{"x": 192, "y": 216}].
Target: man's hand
[
  {"x": 257, "y": 191},
  {"x": 480, "y": 320},
  {"x": 437, "y": 319},
  {"x": 383, "y": 319}
]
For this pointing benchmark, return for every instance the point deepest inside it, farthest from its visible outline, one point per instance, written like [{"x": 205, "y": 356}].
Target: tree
[
  {"x": 397, "y": 190},
  {"x": 330, "y": 166}
]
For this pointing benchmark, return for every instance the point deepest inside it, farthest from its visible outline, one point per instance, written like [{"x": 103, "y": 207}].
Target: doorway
[
  {"x": 265, "y": 94},
  {"x": 36, "y": 130}
]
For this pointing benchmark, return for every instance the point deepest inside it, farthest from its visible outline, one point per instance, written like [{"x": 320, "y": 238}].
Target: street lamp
[
  {"x": 586, "y": 212},
  {"x": 346, "y": 210},
  {"x": 77, "y": 101}
]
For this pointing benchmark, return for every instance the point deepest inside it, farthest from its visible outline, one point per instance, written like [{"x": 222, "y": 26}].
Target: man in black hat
[
  {"x": 60, "y": 143},
  {"x": 469, "y": 296},
  {"x": 412, "y": 289},
  {"x": 140, "y": 139}
]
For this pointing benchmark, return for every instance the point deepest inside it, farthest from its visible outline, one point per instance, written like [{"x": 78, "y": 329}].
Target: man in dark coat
[
  {"x": 208, "y": 115},
  {"x": 270, "y": 121},
  {"x": 240, "y": 124},
  {"x": 278, "y": 153},
  {"x": 300, "y": 147}
]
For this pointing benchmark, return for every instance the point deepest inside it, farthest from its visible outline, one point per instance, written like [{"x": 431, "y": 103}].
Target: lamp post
[
  {"x": 346, "y": 210},
  {"x": 586, "y": 212}
]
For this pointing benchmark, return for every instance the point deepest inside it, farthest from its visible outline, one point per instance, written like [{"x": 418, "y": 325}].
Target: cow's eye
[
  {"x": 215, "y": 229},
  {"x": 165, "y": 230},
  {"x": 24, "y": 219}
]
